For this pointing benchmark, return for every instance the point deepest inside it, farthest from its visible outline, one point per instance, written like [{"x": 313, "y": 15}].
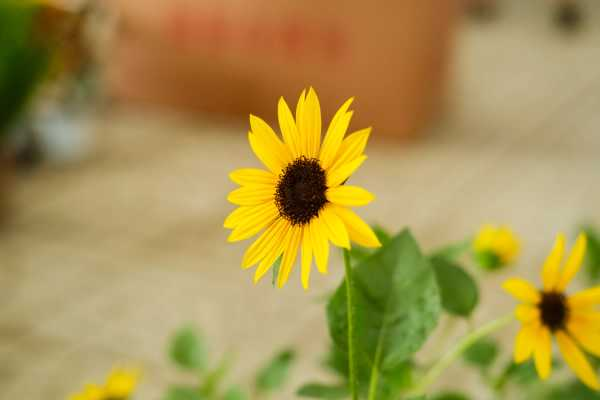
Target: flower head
[
  {"x": 120, "y": 385},
  {"x": 495, "y": 246},
  {"x": 550, "y": 312},
  {"x": 301, "y": 201}
]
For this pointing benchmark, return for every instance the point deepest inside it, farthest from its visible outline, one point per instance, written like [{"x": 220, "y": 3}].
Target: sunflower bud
[{"x": 495, "y": 247}]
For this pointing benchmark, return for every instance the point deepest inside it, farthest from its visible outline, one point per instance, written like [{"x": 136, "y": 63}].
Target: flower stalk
[
  {"x": 447, "y": 359},
  {"x": 353, "y": 382}
]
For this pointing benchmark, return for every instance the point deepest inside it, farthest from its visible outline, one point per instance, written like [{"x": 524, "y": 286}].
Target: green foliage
[
  {"x": 482, "y": 353},
  {"x": 235, "y": 393},
  {"x": 574, "y": 390},
  {"x": 592, "y": 257},
  {"x": 273, "y": 375},
  {"x": 451, "y": 396},
  {"x": 454, "y": 251},
  {"x": 458, "y": 289},
  {"x": 177, "y": 392},
  {"x": 24, "y": 61},
  {"x": 323, "y": 391},
  {"x": 188, "y": 349},
  {"x": 397, "y": 306},
  {"x": 488, "y": 260},
  {"x": 212, "y": 380}
]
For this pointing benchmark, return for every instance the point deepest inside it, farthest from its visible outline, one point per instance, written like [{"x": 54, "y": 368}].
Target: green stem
[
  {"x": 373, "y": 383},
  {"x": 350, "y": 311},
  {"x": 447, "y": 359}
]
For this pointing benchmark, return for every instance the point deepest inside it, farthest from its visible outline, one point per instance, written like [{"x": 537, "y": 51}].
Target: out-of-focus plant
[
  {"x": 25, "y": 54},
  {"x": 189, "y": 352}
]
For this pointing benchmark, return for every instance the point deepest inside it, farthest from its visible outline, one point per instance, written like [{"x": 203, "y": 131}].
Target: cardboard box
[{"x": 234, "y": 57}]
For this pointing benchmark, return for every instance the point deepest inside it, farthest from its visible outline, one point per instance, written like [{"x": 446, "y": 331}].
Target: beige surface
[{"x": 100, "y": 263}]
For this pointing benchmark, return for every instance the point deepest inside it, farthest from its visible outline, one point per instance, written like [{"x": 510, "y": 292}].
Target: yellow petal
[
  {"x": 308, "y": 121},
  {"x": 266, "y": 243},
  {"x": 543, "y": 353},
  {"x": 550, "y": 271},
  {"x": 287, "y": 125},
  {"x": 251, "y": 195},
  {"x": 522, "y": 290},
  {"x": 290, "y": 253},
  {"x": 278, "y": 247},
  {"x": 340, "y": 174},
  {"x": 336, "y": 230},
  {"x": 263, "y": 216},
  {"x": 306, "y": 256},
  {"x": 358, "y": 230},
  {"x": 585, "y": 298},
  {"x": 335, "y": 134},
  {"x": 350, "y": 196},
  {"x": 253, "y": 176},
  {"x": 578, "y": 362},
  {"x": 525, "y": 342},
  {"x": 573, "y": 263},
  {"x": 586, "y": 316},
  {"x": 527, "y": 313},
  {"x": 587, "y": 335},
  {"x": 320, "y": 244},
  {"x": 352, "y": 147},
  {"x": 272, "y": 156},
  {"x": 238, "y": 215},
  {"x": 305, "y": 140}
]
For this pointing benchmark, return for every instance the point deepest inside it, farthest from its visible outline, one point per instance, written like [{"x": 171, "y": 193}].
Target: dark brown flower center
[
  {"x": 300, "y": 193},
  {"x": 554, "y": 310}
]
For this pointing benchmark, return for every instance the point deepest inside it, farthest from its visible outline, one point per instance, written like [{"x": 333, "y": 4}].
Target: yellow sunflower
[
  {"x": 300, "y": 201},
  {"x": 120, "y": 385},
  {"x": 572, "y": 319}
]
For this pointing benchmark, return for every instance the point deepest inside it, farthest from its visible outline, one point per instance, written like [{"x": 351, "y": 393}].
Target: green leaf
[
  {"x": 453, "y": 251},
  {"x": 273, "y": 375},
  {"x": 323, "y": 391},
  {"x": 235, "y": 393},
  {"x": 592, "y": 257},
  {"x": 188, "y": 350},
  {"x": 212, "y": 380},
  {"x": 182, "y": 393},
  {"x": 451, "y": 396},
  {"x": 458, "y": 289},
  {"x": 482, "y": 353},
  {"x": 397, "y": 306}
]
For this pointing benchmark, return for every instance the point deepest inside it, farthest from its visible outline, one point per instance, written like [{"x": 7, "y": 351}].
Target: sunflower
[
  {"x": 572, "y": 319},
  {"x": 300, "y": 202},
  {"x": 120, "y": 385},
  {"x": 495, "y": 246}
]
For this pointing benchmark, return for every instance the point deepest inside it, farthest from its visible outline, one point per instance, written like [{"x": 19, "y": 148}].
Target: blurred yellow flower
[
  {"x": 120, "y": 385},
  {"x": 495, "y": 246},
  {"x": 573, "y": 320},
  {"x": 301, "y": 201},
  {"x": 90, "y": 392}
]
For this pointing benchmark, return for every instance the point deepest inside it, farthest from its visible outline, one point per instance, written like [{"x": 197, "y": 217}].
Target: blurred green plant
[
  {"x": 189, "y": 351},
  {"x": 24, "y": 60}
]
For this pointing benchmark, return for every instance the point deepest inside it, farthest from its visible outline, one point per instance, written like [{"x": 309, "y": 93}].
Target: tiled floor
[{"x": 100, "y": 263}]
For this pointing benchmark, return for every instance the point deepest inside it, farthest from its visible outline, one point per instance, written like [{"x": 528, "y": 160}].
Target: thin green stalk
[
  {"x": 350, "y": 312},
  {"x": 373, "y": 383},
  {"x": 436, "y": 370}
]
